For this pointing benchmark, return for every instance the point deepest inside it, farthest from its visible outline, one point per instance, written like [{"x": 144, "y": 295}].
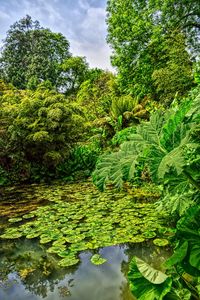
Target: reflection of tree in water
[{"x": 37, "y": 269}]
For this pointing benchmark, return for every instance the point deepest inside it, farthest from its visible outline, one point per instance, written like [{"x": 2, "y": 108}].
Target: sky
[{"x": 82, "y": 22}]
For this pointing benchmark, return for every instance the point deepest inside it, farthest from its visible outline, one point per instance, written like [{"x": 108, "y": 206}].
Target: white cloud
[
  {"x": 42, "y": 10},
  {"x": 4, "y": 16},
  {"x": 81, "y": 21}
]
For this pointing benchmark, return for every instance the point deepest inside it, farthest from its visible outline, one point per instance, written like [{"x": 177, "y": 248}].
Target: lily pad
[
  {"x": 161, "y": 242},
  {"x": 137, "y": 239},
  {"x": 149, "y": 234},
  {"x": 96, "y": 259},
  {"x": 68, "y": 261},
  {"x": 29, "y": 216},
  {"x": 13, "y": 220}
]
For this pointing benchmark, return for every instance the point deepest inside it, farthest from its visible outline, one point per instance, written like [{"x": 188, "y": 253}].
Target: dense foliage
[
  {"x": 149, "y": 40},
  {"x": 38, "y": 130},
  {"x": 138, "y": 130}
]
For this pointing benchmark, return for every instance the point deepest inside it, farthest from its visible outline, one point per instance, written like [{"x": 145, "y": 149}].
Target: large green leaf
[
  {"x": 195, "y": 256},
  {"x": 188, "y": 226},
  {"x": 170, "y": 138},
  {"x": 178, "y": 255},
  {"x": 142, "y": 288},
  {"x": 173, "y": 159},
  {"x": 151, "y": 274}
]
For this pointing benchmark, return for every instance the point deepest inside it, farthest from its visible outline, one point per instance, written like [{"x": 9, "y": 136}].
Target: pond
[{"x": 49, "y": 235}]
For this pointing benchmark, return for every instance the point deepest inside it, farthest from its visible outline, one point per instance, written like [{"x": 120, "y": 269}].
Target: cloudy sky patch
[{"x": 81, "y": 21}]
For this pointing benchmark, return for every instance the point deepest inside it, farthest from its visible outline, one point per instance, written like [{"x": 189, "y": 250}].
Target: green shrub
[{"x": 39, "y": 127}]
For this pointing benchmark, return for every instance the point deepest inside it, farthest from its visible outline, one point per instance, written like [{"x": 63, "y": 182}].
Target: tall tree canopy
[
  {"x": 32, "y": 54},
  {"x": 140, "y": 33},
  {"x": 74, "y": 72}
]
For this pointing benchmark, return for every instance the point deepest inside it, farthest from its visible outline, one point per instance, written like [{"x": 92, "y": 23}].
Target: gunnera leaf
[
  {"x": 151, "y": 274},
  {"x": 179, "y": 254},
  {"x": 143, "y": 289}
]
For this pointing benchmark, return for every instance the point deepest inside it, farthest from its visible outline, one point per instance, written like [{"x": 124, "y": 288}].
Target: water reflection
[{"x": 27, "y": 272}]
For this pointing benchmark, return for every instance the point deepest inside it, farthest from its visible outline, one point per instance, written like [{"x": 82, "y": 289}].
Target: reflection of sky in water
[
  {"x": 88, "y": 282},
  {"x": 84, "y": 281}
]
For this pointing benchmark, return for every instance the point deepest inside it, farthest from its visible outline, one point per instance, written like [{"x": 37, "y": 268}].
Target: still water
[{"x": 27, "y": 272}]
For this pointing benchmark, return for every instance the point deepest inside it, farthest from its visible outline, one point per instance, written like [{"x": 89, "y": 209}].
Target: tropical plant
[
  {"x": 126, "y": 110},
  {"x": 165, "y": 143},
  {"x": 123, "y": 135},
  {"x": 180, "y": 279}
]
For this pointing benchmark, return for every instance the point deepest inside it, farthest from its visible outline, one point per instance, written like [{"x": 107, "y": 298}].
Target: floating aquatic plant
[
  {"x": 96, "y": 259},
  {"x": 75, "y": 221},
  {"x": 161, "y": 242}
]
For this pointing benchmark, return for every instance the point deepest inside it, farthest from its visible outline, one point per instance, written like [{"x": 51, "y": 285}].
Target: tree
[
  {"x": 95, "y": 94},
  {"x": 32, "y": 54},
  {"x": 74, "y": 71},
  {"x": 175, "y": 77},
  {"x": 138, "y": 31}
]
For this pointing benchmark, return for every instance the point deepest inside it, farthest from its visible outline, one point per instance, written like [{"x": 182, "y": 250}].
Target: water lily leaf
[
  {"x": 136, "y": 239},
  {"x": 12, "y": 233},
  {"x": 32, "y": 235},
  {"x": 13, "y": 220},
  {"x": 96, "y": 259},
  {"x": 65, "y": 253},
  {"x": 45, "y": 240},
  {"x": 68, "y": 261},
  {"x": 59, "y": 242},
  {"x": 161, "y": 242},
  {"x": 149, "y": 234},
  {"x": 56, "y": 249},
  {"x": 75, "y": 238},
  {"x": 29, "y": 216}
]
